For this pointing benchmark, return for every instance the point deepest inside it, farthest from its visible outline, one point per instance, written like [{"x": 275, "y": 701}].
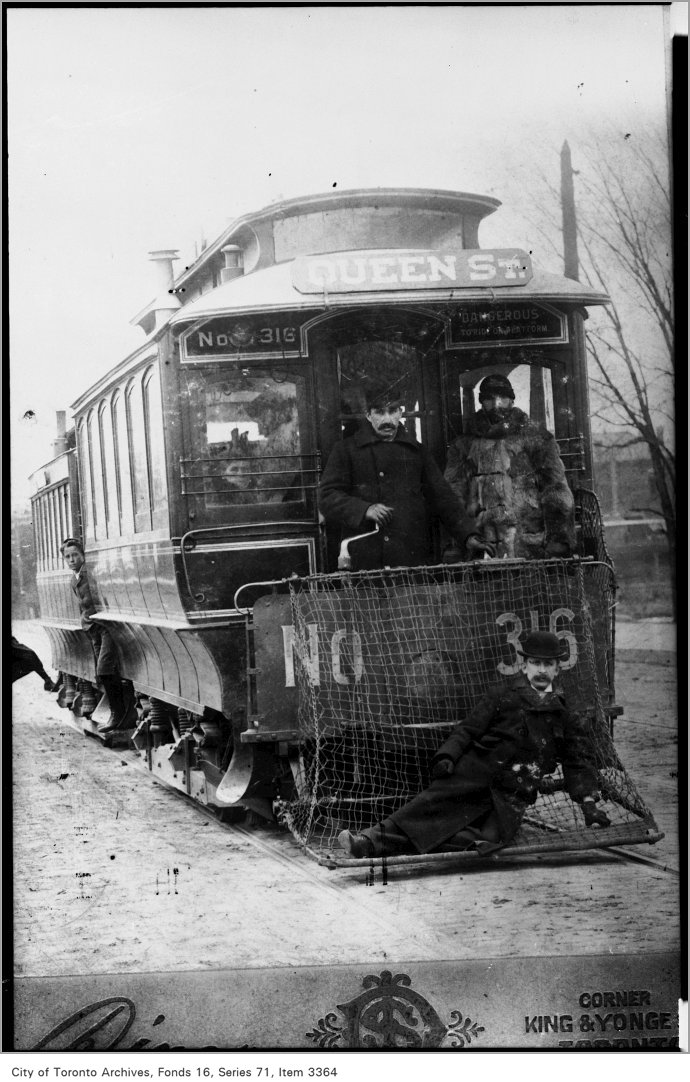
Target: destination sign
[
  {"x": 367, "y": 271},
  {"x": 493, "y": 324},
  {"x": 261, "y": 336}
]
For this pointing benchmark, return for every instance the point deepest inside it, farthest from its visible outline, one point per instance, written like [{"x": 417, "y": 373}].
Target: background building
[{"x": 635, "y": 528}]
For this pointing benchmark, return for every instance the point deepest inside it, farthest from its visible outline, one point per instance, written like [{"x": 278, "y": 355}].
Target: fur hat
[
  {"x": 542, "y": 645},
  {"x": 496, "y": 385},
  {"x": 381, "y": 394}
]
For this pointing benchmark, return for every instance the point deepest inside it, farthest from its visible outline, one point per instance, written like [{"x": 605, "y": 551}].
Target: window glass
[
  {"x": 65, "y": 518},
  {"x": 138, "y": 457},
  {"x": 45, "y": 530},
  {"x": 96, "y": 475},
  {"x": 531, "y": 383},
  {"x": 54, "y": 538},
  {"x": 541, "y": 391},
  {"x": 248, "y": 428},
  {"x": 123, "y": 475},
  {"x": 112, "y": 515},
  {"x": 86, "y": 483},
  {"x": 38, "y": 538},
  {"x": 50, "y": 530},
  {"x": 153, "y": 414}
]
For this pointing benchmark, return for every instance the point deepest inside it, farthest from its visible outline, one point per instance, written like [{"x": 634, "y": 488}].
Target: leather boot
[{"x": 118, "y": 712}]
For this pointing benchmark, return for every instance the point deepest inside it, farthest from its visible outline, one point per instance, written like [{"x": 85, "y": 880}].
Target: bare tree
[{"x": 624, "y": 240}]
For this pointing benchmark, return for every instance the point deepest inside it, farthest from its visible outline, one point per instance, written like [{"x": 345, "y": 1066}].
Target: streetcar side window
[
  {"x": 542, "y": 391},
  {"x": 155, "y": 450},
  {"x": 123, "y": 476},
  {"x": 112, "y": 510},
  {"x": 96, "y": 475},
  {"x": 532, "y": 384},
  {"x": 55, "y": 526},
  {"x": 52, "y": 521},
  {"x": 249, "y": 433},
  {"x": 86, "y": 481},
  {"x": 138, "y": 457}
]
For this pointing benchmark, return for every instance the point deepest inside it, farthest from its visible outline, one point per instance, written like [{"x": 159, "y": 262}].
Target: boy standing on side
[{"x": 103, "y": 645}]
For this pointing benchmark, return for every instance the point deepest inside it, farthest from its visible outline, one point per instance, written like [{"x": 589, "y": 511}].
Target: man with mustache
[
  {"x": 487, "y": 773},
  {"x": 507, "y": 471},
  {"x": 381, "y": 476}
]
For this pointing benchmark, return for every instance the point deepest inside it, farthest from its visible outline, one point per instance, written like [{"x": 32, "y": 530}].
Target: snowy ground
[{"x": 115, "y": 873}]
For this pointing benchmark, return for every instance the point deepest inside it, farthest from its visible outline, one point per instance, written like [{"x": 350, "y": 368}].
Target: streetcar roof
[{"x": 272, "y": 289}]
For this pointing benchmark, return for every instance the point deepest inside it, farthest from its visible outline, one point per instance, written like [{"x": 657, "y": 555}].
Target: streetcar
[{"x": 267, "y": 678}]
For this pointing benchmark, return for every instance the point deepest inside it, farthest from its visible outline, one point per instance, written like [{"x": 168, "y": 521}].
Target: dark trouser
[
  {"x": 389, "y": 840},
  {"x": 105, "y": 651},
  {"x": 107, "y": 671}
]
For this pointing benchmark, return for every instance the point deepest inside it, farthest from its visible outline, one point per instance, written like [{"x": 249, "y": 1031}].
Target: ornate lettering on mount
[
  {"x": 390, "y": 1014},
  {"x": 398, "y": 269},
  {"x": 628, "y": 1027},
  {"x": 506, "y": 323},
  {"x": 101, "y": 1027}
]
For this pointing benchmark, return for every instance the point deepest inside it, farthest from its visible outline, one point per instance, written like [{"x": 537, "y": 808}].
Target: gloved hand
[
  {"x": 594, "y": 817},
  {"x": 557, "y": 548},
  {"x": 476, "y": 547},
  {"x": 443, "y": 768}
]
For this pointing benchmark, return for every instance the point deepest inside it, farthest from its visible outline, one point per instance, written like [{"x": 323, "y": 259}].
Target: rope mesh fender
[{"x": 388, "y": 662}]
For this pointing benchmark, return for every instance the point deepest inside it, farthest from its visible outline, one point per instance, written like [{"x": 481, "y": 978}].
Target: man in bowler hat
[{"x": 487, "y": 773}]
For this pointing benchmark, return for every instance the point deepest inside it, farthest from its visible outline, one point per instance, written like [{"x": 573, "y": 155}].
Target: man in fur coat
[
  {"x": 509, "y": 476},
  {"x": 487, "y": 772}
]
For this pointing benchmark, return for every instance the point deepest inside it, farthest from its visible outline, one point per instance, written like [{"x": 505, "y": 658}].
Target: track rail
[
  {"x": 378, "y": 863},
  {"x": 640, "y": 858}
]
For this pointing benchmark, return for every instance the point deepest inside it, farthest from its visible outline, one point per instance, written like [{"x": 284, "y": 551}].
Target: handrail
[
  {"x": 344, "y": 558},
  {"x": 503, "y": 564},
  {"x": 199, "y": 598},
  {"x": 246, "y": 585}
]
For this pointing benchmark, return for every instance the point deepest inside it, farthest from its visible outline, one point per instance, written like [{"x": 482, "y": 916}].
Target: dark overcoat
[
  {"x": 504, "y": 747},
  {"x": 107, "y": 660},
  {"x": 82, "y": 589},
  {"x": 510, "y": 474},
  {"x": 363, "y": 470}
]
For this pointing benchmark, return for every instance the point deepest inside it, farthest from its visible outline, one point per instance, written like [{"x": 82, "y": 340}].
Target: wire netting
[{"x": 388, "y": 662}]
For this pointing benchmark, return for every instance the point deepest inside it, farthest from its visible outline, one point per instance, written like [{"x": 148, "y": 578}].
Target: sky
[{"x": 131, "y": 129}]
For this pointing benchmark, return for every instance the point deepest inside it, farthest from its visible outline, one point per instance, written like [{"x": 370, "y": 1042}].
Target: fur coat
[{"x": 511, "y": 480}]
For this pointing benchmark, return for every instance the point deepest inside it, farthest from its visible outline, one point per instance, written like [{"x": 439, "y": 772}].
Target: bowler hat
[
  {"x": 542, "y": 645},
  {"x": 496, "y": 385}
]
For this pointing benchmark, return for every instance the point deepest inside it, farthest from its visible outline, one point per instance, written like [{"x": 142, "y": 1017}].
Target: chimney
[
  {"x": 165, "y": 301},
  {"x": 60, "y": 444},
  {"x": 234, "y": 266}
]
